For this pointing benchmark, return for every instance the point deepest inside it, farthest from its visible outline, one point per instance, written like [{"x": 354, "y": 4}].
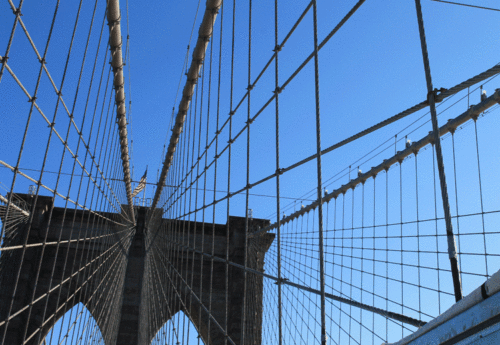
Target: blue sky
[{"x": 370, "y": 70}]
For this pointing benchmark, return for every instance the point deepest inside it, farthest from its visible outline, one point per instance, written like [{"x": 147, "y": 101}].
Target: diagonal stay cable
[
  {"x": 279, "y": 89},
  {"x": 472, "y": 112},
  {"x": 192, "y": 293},
  {"x": 467, "y": 5},
  {"x": 359, "y": 161},
  {"x": 14, "y": 207},
  {"x": 440, "y": 96},
  {"x": 57, "y": 91},
  {"x": 57, "y": 193},
  {"x": 348, "y": 301},
  {"x": 18, "y": 14},
  {"x": 83, "y": 285},
  {"x": 446, "y": 93},
  {"x": 246, "y": 94},
  {"x": 68, "y": 279},
  {"x": 52, "y": 128},
  {"x": 31, "y": 245}
]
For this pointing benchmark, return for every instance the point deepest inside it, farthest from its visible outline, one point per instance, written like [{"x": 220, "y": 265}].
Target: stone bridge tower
[{"x": 72, "y": 270}]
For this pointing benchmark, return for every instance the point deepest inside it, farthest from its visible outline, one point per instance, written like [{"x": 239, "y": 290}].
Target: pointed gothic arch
[
  {"x": 179, "y": 329},
  {"x": 75, "y": 326}
]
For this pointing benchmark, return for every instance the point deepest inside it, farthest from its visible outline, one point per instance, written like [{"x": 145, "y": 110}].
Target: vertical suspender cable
[
  {"x": 277, "y": 48},
  {"x": 320, "y": 182},
  {"x": 249, "y": 122},
  {"x": 230, "y": 142},
  {"x": 215, "y": 166},
  {"x": 452, "y": 251}
]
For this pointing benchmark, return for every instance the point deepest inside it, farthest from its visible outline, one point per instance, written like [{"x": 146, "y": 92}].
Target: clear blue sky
[{"x": 371, "y": 70}]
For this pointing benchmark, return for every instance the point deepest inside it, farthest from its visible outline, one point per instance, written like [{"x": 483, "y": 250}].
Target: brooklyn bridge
[{"x": 290, "y": 172}]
